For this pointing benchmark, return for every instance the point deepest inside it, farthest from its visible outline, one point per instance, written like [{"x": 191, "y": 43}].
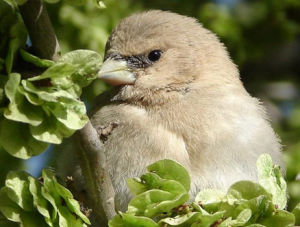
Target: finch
[{"x": 178, "y": 96}]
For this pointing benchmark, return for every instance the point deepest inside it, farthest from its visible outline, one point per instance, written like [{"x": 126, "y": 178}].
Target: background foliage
[{"x": 262, "y": 37}]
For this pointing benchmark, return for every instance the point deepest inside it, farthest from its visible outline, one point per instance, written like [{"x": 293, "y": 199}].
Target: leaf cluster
[
  {"x": 160, "y": 199},
  {"x": 38, "y": 203},
  {"x": 45, "y": 108},
  {"x": 39, "y": 115}
]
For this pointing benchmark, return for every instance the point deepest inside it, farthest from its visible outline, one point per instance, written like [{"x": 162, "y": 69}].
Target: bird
[{"x": 178, "y": 95}]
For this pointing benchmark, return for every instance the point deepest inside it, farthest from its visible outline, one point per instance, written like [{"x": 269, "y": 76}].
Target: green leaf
[
  {"x": 11, "y": 87},
  {"x": 72, "y": 204},
  {"x": 19, "y": 109},
  {"x": 39, "y": 202},
  {"x": 159, "y": 191},
  {"x": 229, "y": 223},
  {"x": 3, "y": 80},
  {"x": 86, "y": 65},
  {"x": 67, "y": 219},
  {"x": 32, "y": 219},
  {"x": 139, "y": 204},
  {"x": 50, "y": 131},
  {"x": 34, "y": 204},
  {"x": 129, "y": 220},
  {"x": 86, "y": 62},
  {"x": 52, "y": 201},
  {"x": 169, "y": 169},
  {"x": 153, "y": 181},
  {"x": 74, "y": 207},
  {"x": 18, "y": 37},
  {"x": 296, "y": 212},
  {"x": 18, "y": 189},
  {"x": 43, "y": 63},
  {"x": 135, "y": 186},
  {"x": 182, "y": 220},
  {"x": 166, "y": 206},
  {"x": 22, "y": 111},
  {"x": 244, "y": 216},
  {"x": 281, "y": 218},
  {"x": 75, "y": 69},
  {"x": 255, "y": 225},
  {"x": 23, "y": 145},
  {"x": 246, "y": 190},
  {"x": 271, "y": 179},
  {"x": 60, "y": 193},
  {"x": 49, "y": 184},
  {"x": 259, "y": 206},
  {"x": 9, "y": 209},
  {"x": 51, "y": 112},
  {"x": 12, "y": 3},
  {"x": 193, "y": 219},
  {"x": 100, "y": 4},
  {"x": 48, "y": 94},
  {"x": 241, "y": 219},
  {"x": 207, "y": 220},
  {"x": 31, "y": 98},
  {"x": 154, "y": 202},
  {"x": 72, "y": 114},
  {"x": 208, "y": 196},
  {"x": 58, "y": 70}
]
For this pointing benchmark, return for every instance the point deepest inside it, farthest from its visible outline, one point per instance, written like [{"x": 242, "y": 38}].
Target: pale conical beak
[{"x": 116, "y": 72}]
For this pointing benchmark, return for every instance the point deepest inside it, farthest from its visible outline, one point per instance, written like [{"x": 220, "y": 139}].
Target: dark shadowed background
[{"x": 262, "y": 37}]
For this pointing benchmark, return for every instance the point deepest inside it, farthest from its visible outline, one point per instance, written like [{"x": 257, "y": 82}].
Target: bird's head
[{"x": 159, "y": 56}]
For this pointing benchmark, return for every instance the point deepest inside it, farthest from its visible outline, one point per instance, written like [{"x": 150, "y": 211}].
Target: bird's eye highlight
[{"x": 154, "y": 55}]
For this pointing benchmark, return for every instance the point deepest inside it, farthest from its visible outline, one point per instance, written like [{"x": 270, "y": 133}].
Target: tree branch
[
  {"x": 40, "y": 30},
  {"x": 93, "y": 164},
  {"x": 91, "y": 156}
]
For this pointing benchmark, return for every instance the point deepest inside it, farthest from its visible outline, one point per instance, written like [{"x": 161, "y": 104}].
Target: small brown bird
[{"x": 179, "y": 96}]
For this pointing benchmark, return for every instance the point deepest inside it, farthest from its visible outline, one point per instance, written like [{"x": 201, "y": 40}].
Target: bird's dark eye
[{"x": 154, "y": 55}]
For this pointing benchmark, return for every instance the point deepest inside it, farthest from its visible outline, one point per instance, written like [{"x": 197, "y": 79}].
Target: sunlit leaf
[
  {"x": 279, "y": 219},
  {"x": 271, "y": 179},
  {"x": 171, "y": 170},
  {"x": 246, "y": 190},
  {"x": 39, "y": 202},
  {"x": 207, "y": 196},
  {"x": 126, "y": 220},
  {"x": 19, "y": 109},
  {"x": 182, "y": 220},
  {"x": 43, "y": 63},
  {"x": 50, "y": 131},
  {"x": 9, "y": 209},
  {"x": 18, "y": 189},
  {"x": 296, "y": 212},
  {"x": 23, "y": 145}
]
